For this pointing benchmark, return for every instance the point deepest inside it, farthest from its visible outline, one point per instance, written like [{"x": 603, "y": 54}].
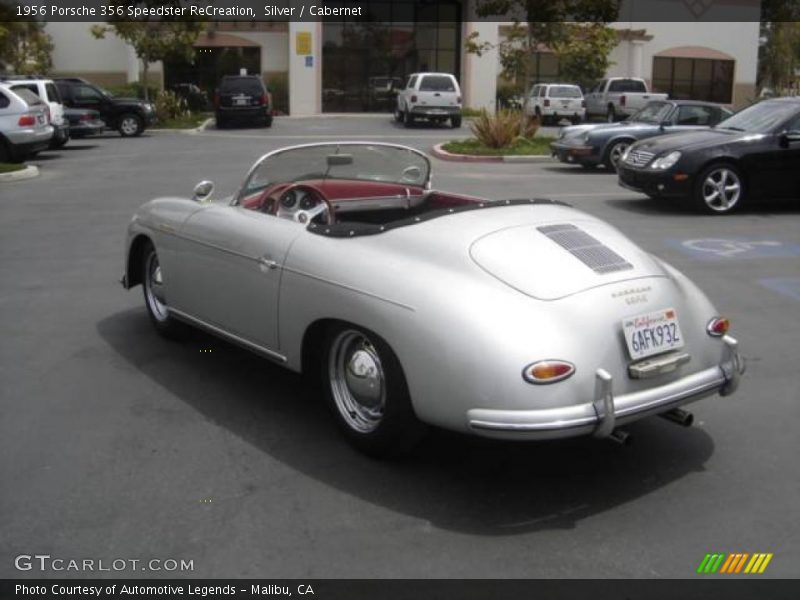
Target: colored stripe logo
[{"x": 735, "y": 563}]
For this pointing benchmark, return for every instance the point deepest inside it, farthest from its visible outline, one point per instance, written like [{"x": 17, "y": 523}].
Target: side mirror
[
  {"x": 203, "y": 191},
  {"x": 791, "y": 136}
]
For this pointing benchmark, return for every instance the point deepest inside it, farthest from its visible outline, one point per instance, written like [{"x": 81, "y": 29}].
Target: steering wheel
[{"x": 303, "y": 203}]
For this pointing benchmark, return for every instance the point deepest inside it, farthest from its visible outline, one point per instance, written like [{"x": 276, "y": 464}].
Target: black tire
[
  {"x": 268, "y": 121},
  {"x": 6, "y": 156},
  {"x": 221, "y": 123},
  {"x": 455, "y": 122},
  {"x": 387, "y": 428},
  {"x": 164, "y": 323},
  {"x": 730, "y": 180},
  {"x": 408, "y": 120},
  {"x": 611, "y": 114},
  {"x": 130, "y": 125},
  {"x": 398, "y": 115}
]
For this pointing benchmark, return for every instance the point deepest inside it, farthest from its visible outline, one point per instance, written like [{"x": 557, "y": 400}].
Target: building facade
[{"x": 349, "y": 66}]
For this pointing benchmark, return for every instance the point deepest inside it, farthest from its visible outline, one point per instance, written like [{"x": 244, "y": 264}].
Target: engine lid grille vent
[{"x": 590, "y": 251}]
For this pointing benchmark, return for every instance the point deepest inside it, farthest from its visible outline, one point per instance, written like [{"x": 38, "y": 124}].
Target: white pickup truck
[{"x": 618, "y": 97}]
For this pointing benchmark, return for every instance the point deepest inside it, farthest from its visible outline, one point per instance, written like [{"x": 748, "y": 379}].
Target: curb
[
  {"x": 442, "y": 154},
  {"x": 197, "y": 129},
  {"x": 28, "y": 172}
]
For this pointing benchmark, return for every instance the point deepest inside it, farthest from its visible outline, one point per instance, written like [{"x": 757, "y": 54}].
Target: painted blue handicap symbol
[
  {"x": 788, "y": 286},
  {"x": 734, "y": 248},
  {"x": 310, "y": 61}
]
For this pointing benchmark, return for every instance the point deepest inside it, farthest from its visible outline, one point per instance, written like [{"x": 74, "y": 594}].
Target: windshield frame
[{"x": 243, "y": 189}]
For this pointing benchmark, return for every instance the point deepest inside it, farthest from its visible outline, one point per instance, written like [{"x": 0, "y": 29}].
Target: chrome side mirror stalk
[{"x": 203, "y": 191}]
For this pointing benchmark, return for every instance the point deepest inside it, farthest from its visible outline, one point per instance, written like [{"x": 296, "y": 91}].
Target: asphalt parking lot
[{"x": 118, "y": 444}]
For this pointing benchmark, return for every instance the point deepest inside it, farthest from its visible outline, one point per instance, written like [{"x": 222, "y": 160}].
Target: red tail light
[
  {"x": 622, "y": 100},
  {"x": 718, "y": 326},
  {"x": 547, "y": 371},
  {"x": 547, "y": 101},
  {"x": 26, "y": 121},
  {"x": 216, "y": 100},
  {"x": 413, "y": 98},
  {"x": 86, "y": 118}
]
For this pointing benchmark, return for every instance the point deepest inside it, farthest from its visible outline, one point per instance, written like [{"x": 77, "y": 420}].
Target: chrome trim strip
[{"x": 272, "y": 355}]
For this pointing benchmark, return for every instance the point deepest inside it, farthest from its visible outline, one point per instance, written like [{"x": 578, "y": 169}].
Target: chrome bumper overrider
[{"x": 606, "y": 411}]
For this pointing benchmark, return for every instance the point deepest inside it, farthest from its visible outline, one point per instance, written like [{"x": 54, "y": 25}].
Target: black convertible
[{"x": 753, "y": 154}]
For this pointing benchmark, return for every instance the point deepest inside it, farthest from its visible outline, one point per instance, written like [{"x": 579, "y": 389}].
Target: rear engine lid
[{"x": 553, "y": 260}]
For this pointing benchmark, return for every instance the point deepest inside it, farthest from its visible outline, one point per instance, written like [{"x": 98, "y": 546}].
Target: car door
[
  {"x": 402, "y": 98},
  {"x": 771, "y": 162},
  {"x": 231, "y": 261},
  {"x": 87, "y": 96}
]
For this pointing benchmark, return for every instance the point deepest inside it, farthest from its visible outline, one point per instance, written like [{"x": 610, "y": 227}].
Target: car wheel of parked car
[
  {"x": 367, "y": 391},
  {"x": 615, "y": 152},
  {"x": 455, "y": 122},
  {"x": 268, "y": 121},
  {"x": 154, "y": 299},
  {"x": 719, "y": 189},
  {"x": 130, "y": 125},
  {"x": 408, "y": 120},
  {"x": 611, "y": 115},
  {"x": 5, "y": 152},
  {"x": 398, "y": 115}
]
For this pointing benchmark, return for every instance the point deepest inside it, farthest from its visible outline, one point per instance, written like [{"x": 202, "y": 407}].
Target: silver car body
[
  {"x": 27, "y": 138},
  {"x": 466, "y": 298}
]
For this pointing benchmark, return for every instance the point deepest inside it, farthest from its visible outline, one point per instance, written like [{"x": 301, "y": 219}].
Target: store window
[
  {"x": 694, "y": 78},
  {"x": 365, "y": 61}
]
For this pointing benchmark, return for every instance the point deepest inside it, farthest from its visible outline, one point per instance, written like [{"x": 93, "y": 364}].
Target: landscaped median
[
  {"x": 17, "y": 172},
  {"x": 507, "y": 136}
]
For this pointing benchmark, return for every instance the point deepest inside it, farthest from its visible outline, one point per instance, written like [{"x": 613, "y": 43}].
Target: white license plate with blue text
[{"x": 652, "y": 333}]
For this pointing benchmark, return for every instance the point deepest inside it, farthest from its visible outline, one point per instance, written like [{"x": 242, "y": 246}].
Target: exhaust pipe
[
  {"x": 679, "y": 416},
  {"x": 623, "y": 438}
]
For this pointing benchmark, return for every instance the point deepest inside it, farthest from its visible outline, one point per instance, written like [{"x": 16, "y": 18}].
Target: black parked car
[
  {"x": 242, "y": 97},
  {"x": 753, "y": 154},
  {"x": 83, "y": 122},
  {"x": 592, "y": 144},
  {"x": 129, "y": 116}
]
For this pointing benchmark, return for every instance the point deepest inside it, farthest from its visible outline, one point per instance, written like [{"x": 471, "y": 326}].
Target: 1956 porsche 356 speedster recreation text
[{"x": 519, "y": 319}]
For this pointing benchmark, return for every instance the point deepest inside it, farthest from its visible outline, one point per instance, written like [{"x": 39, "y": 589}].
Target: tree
[
  {"x": 779, "y": 55},
  {"x": 155, "y": 39},
  {"x": 575, "y": 30},
  {"x": 25, "y": 48}
]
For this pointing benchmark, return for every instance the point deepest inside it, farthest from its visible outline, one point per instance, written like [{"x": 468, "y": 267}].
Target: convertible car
[{"x": 519, "y": 319}]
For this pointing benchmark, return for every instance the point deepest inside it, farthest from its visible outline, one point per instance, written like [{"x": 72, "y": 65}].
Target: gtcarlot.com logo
[
  {"x": 735, "y": 563},
  {"x": 45, "y": 562}
]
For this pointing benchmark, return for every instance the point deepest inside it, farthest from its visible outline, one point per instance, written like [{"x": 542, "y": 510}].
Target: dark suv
[
  {"x": 242, "y": 97},
  {"x": 129, "y": 116}
]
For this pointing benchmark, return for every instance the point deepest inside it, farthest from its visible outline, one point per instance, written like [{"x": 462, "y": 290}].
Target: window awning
[
  {"x": 694, "y": 52},
  {"x": 223, "y": 40}
]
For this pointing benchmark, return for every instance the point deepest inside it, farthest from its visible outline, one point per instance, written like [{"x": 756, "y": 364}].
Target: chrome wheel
[
  {"x": 129, "y": 125},
  {"x": 357, "y": 381},
  {"x": 154, "y": 289},
  {"x": 616, "y": 152},
  {"x": 721, "y": 189}
]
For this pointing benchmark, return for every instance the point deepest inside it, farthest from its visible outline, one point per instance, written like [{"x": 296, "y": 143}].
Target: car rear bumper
[
  {"x": 563, "y": 112},
  {"x": 437, "y": 111},
  {"x": 243, "y": 111},
  {"x": 606, "y": 411},
  {"x": 654, "y": 183},
  {"x": 567, "y": 153}
]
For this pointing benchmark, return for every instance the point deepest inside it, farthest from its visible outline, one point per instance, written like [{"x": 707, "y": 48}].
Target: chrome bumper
[{"x": 605, "y": 412}]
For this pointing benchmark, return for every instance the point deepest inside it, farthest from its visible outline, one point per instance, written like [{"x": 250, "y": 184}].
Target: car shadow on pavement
[
  {"x": 652, "y": 207},
  {"x": 576, "y": 170},
  {"x": 456, "y": 482}
]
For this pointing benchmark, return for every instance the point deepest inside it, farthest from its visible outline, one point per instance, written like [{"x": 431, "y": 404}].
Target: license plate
[
  {"x": 241, "y": 101},
  {"x": 652, "y": 333},
  {"x": 565, "y": 104}
]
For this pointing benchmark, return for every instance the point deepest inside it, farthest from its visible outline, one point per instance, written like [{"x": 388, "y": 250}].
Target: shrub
[
  {"x": 509, "y": 95},
  {"x": 278, "y": 86},
  {"x": 133, "y": 90},
  {"x": 170, "y": 106},
  {"x": 501, "y": 129}
]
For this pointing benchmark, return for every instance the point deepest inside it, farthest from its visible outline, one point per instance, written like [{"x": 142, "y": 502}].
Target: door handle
[{"x": 268, "y": 263}]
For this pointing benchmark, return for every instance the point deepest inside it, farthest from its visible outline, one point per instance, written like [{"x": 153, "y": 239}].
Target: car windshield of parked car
[
  {"x": 436, "y": 83},
  {"x": 763, "y": 117},
  {"x": 565, "y": 91},
  {"x": 653, "y": 112},
  {"x": 359, "y": 162}
]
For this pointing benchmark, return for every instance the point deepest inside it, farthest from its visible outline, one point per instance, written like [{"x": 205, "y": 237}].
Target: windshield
[
  {"x": 653, "y": 112},
  {"x": 354, "y": 161},
  {"x": 763, "y": 117},
  {"x": 565, "y": 91}
]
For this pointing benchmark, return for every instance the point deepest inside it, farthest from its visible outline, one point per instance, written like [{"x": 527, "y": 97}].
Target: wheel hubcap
[
  {"x": 721, "y": 190},
  {"x": 616, "y": 153},
  {"x": 129, "y": 125},
  {"x": 154, "y": 287},
  {"x": 357, "y": 381}
]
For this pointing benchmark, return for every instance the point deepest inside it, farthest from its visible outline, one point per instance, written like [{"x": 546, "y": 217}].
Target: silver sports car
[{"x": 519, "y": 319}]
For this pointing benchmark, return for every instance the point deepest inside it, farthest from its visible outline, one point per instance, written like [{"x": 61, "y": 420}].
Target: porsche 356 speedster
[{"x": 518, "y": 319}]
